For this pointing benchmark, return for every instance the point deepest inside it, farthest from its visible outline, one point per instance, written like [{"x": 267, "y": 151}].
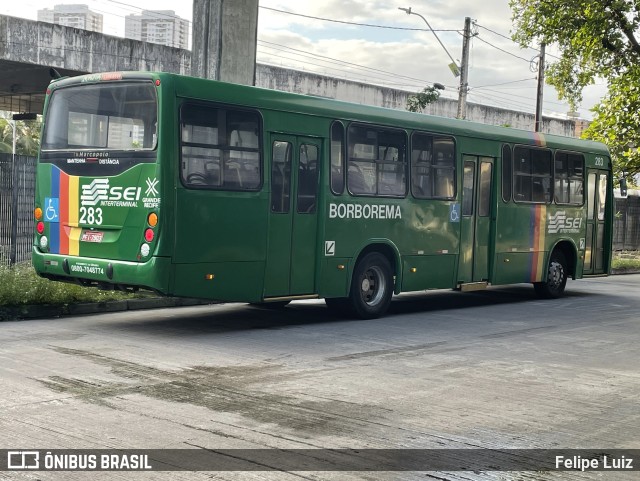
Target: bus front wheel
[
  {"x": 556, "y": 280},
  {"x": 372, "y": 286}
]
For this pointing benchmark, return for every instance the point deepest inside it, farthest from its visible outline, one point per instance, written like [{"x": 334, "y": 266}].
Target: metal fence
[
  {"x": 626, "y": 227},
  {"x": 17, "y": 192}
]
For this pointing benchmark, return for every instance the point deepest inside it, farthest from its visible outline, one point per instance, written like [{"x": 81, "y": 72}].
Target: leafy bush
[
  {"x": 626, "y": 260},
  {"x": 20, "y": 285}
]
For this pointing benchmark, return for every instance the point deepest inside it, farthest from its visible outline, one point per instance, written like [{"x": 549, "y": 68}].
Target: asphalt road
[{"x": 491, "y": 369}]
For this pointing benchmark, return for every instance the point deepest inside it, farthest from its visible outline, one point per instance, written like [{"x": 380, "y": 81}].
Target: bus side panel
[
  {"x": 334, "y": 276},
  {"x": 219, "y": 234},
  {"x": 521, "y": 243},
  {"x": 220, "y": 281},
  {"x": 421, "y": 229},
  {"x": 428, "y": 272},
  {"x": 526, "y": 235}
]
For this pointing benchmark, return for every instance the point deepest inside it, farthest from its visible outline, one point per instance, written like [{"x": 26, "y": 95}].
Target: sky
[{"x": 500, "y": 73}]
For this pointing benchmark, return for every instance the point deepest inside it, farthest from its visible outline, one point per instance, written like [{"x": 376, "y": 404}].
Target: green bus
[{"x": 198, "y": 188}]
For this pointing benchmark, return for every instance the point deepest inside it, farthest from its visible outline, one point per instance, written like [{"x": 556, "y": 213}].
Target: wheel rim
[
  {"x": 556, "y": 275},
  {"x": 372, "y": 286}
]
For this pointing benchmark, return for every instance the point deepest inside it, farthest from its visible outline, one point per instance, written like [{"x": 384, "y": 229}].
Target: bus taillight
[
  {"x": 148, "y": 235},
  {"x": 37, "y": 213},
  {"x": 152, "y": 219},
  {"x": 40, "y": 227}
]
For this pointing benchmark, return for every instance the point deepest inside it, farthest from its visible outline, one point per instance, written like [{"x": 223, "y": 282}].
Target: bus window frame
[
  {"x": 584, "y": 178},
  {"x": 377, "y": 127},
  {"x": 343, "y": 151},
  {"x": 551, "y": 174},
  {"x": 434, "y": 135},
  {"x": 184, "y": 101},
  {"x": 509, "y": 177},
  {"x": 82, "y": 148}
]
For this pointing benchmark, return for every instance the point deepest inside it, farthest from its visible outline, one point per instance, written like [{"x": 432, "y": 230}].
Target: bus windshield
[{"x": 109, "y": 116}]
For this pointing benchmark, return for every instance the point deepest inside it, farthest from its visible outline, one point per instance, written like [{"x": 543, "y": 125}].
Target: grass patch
[
  {"x": 626, "y": 260},
  {"x": 19, "y": 285}
]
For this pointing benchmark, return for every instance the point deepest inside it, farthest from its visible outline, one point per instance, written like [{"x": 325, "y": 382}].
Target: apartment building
[
  {"x": 158, "y": 26},
  {"x": 76, "y": 16}
]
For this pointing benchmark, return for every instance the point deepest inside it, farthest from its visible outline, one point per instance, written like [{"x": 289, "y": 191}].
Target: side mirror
[{"x": 623, "y": 186}]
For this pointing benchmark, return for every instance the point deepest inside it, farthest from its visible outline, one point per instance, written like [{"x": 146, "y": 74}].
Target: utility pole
[
  {"x": 538, "y": 121},
  {"x": 464, "y": 70}
]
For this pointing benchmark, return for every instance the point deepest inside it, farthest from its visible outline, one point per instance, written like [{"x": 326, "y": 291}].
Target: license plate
[{"x": 92, "y": 236}]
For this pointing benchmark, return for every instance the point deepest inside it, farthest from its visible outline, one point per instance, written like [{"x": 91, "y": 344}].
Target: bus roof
[{"x": 258, "y": 97}]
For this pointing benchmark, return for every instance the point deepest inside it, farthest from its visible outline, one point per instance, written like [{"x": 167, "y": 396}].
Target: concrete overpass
[{"x": 28, "y": 49}]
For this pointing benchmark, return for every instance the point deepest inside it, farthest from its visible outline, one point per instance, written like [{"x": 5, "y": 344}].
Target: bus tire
[
  {"x": 371, "y": 286},
  {"x": 553, "y": 286}
]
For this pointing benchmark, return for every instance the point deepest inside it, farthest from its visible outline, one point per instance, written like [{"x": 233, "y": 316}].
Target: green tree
[
  {"x": 598, "y": 40},
  {"x": 417, "y": 102},
  {"x": 27, "y": 135}
]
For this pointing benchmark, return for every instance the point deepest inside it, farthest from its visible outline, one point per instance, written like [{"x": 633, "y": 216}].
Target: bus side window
[
  {"x": 281, "y": 176},
  {"x": 444, "y": 167},
  {"x": 220, "y": 147},
  {"x": 376, "y": 161},
  {"x": 432, "y": 166},
  {"x": 337, "y": 158},
  {"x": 507, "y": 177},
  {"x": 568, "y": 178},
  {"x": 532, "y": 174},
  {"x": 200, "y": 164},
  {"x": 307, "y": 179}
]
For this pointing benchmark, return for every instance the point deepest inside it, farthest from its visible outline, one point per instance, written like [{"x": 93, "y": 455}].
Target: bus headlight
[{"x": 144, "y": 250}]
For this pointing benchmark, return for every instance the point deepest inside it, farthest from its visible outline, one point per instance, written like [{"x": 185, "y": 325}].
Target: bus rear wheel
[
  {"x": 372, "y": 286},
  {"x": 556, "y": 280}
]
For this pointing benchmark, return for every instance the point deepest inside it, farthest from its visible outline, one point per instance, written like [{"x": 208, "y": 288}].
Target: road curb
[
  {"x": 623, "y": 271},
  {"x": 36, "y": 311}
]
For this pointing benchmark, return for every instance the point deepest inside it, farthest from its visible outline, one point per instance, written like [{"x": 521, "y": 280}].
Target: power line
[
  {"x": 502, "y": 50},
  {"x": 334, "y": 60},
  {"x": 510, "y": 39},
  {"x": 494, "y": 32},
  {"x": 521, "y": 97},
  {"x": 354, "y": 23},
  {"x": 160, "y": 13},
  {"x": 504, "y": 83}
]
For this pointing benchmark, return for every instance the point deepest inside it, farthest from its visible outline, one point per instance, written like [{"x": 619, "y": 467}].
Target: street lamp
[{"x": 453, "y": 65}]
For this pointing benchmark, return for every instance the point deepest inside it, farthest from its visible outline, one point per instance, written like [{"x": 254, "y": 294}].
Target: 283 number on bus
[{"x": 89, "y": 215}]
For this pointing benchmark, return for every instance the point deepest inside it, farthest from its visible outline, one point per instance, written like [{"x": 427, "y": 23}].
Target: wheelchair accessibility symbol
[
  {"x": 51, "y": 209},
  {"x": 454, "y": 212}
]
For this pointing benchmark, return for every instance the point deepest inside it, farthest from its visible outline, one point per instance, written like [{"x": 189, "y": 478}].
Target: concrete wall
[
  {"x": 224, "y": 40},
  {"x": 83, "y": 51},
  {"x": 308, "y": 83}
]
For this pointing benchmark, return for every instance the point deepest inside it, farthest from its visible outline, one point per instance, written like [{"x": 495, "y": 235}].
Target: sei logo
[
  {"x": 100, "y": 192},
  {"x": 561, "y": 223}
]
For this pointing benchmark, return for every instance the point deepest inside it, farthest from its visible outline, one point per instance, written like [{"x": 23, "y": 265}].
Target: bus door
[
  {"x": 293, "y": 218},
  {"x": 594, "y": 262},
  {"x": 475, "y": 222}
]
